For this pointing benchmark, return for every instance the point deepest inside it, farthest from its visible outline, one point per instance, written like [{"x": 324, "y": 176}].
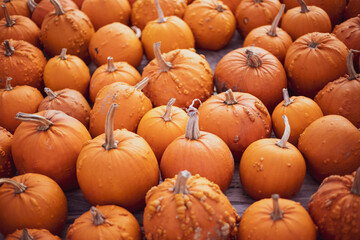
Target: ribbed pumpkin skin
[
  {"x": 16, "y": 7},
  {"x": 36, "y": 234},
  {"x": 349, "y": 32},
  {"x": 7, "y": 168}
]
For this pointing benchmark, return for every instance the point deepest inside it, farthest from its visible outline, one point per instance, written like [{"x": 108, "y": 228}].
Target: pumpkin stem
[
  {"x": 180, "y": 183},
  {"x": 8, "y": 49},
  {"x": 164, "y": 66},
  {"x": 287, "y": 100},
  {"x": 137, "y": 31},
  {"x": 277, "y": 213},
  {"x": 258, "y": 1},
  {"x": 19, "y": 187},
  {"x": 286, "y": 134},
  {"x": 43, "y": 123},
  {"x": 140, "y": 85},
  {"x": 167, "y": 114},
  {"x": 252, "y": 59},
  {"x": 52, "y": 95},
  {"x": 350, "y": 65},
  {"x": 9, "y": 22},
  {"x": 312, "y": 44},
  {"x": 304, "y": 8},
  {"x": 220, "y": 8},
  {"x": 355, "y": 189},
  {"x": 230, "y": 99},
  {"x": 8, "y": 86},
  {"x": 160, "y": 12},
  {"x": 25, "y": 235},
  {"x": 59, "y": 10},
  {"x": 110, "y": 142},
  {"x": 98, "y": 217},
  {"x": 62, "y": 55},
  {"x": 192, "y": 131},
  {"x": 31, "y": 5},
  {"x": 110, "y": 65},
  {"x": 275, "y": 23}
]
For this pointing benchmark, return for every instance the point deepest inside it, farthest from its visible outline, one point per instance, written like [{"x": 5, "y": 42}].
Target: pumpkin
[
  {"x": 247, "y": 70},
  {"x": 161, "y": 125},
  {"x": 237, "y": 118},
  {"x": 16, "y": 7},
  {"x": 342, "y": 96},
  {"x": 330, "y": 145},
  {"x": 110, "y": 73},
  {"x": 116, "y": 40},
  {"x": 200, "y": 153},
  {"x": 276, "y": 219},
  {"x": 300, "y": 111},
  {"x": 188, "y": 207},
  {"x": 19, "y": 28},
  {"x": 7, "y": 168},
  {"x": 105, "y": 222},
  {"x": 251, "y": 14},
  {"x": 270, "y": 37},
  {"x": 134, "y": 104},
  {"x": 69, "y": 101},
  {"x": 349, "y": 32},
  {"x": 67, "y": 71},
  {"x": 306, "y": 76},
  {"x": 23, "y": 62},
  {"x": 111, "y": 11},
  {"x": 232, "y": 4},
  {"x": 18, "y": 99},
  {"x": 31, "y": 234},
  {"x": 126, "y": 167},
  {"x": 180, "y": 74},
  {"x": 78, "y": 2},
  {"x": 144, "y": 11},
  {"x": 305, "y": 19},
  {"x": 33, "y": 201},
  {"x": 49, "y": 143},
  {"x": 172, "y": 31},
  {"x": 352, "y": 9},
  {"x": 335, "y": 207},
  {"x": 69, "y": 28}
]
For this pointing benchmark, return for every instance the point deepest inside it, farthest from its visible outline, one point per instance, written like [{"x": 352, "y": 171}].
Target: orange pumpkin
[
  {"x": 67, "y": 71},
  {"x": 251, "y": 14},
  {"x": 134, "y": 104},
  {"x": 69, "y": 28},
  {"x": 188, "y": 207},
  {"x": 300, "y": 111},
  {"x": 306, "y": 76},
  {"x": 232, "y": 4},
  {"x": 49, "y": 143},
  {"x": 31, "y": 234},
  {"x": 126, "y": 167},
  {"x": 23, "y": 62},
  {"x": 161, "y": 125},
  {"x": 247, "y": 70},
  {"x": 352, "y": 9},
  {"x": 69, "y": 101},
  {"x": 32, "y": 201},
  {"x": 7, "y": 168},
  {"x": 330, "y": 145},
  {"x": 180, "y": 74},
  {"x": 305, "y": 19},
  {"x": 276, "y": 219},
  {"x": 78, "y": 2},
  {"x": 116, "y": 40},
  {"x": 172, "y": 32},
  {"x": 16, "y": 7},
  {"x": 335, "y": 207},
  {"x": 18, "y": 99},
  {"x": 349, "y": 32}
]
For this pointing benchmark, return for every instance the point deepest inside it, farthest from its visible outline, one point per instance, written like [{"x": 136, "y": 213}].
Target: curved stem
[
  {"x": 160, "y": 12},
  {"x": 110, "y": 142},
  {"x": 277, "y": 213},
  {"x": 25, "y": 235},
  {"x": 59, "y": 10},
  {"x": 287, "y": 100},
  {"x": 350, "y": 65},
  {"x": 19, "y": 187},
  {"x": 180, "y": 182},
  {"x": 9, "y": 22},
  {"x": 8, "y": 86},
  {"x": 110, "y": 65},
  {"x": 275, "y": 23},
  {"x": 98, "y": 217},
  {"x": 167, "y": 114},
  {"x": 52, "y": 95},
  {"x": 192, "y": 131},
  {"x": 31, "y": 5},
  {"x": 220, "y": 8},
  {"x": 286, "y": 134},
  {"x": 8, "y": 49},
  {"x": 230, "y": 99},
  {"x": 62, "y": 55},
  {"x": 164, "y": 66},
  {"x": 137, "y": 31},
  {"x": 140, "y": 85},
  {"x": 304, "y": 8},
  {"x": 252, "y": 59},
  {"x": 355, "y": 189},
  {"x": 43, "y": 122}
]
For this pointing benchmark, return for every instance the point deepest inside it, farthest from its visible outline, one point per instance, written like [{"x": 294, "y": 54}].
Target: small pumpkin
[
  {"x": 349, "y": 32},
  {"x": 31, "y": 234},
  {"x": 352, "y": 9},
  {"x": 232, "y": 4},
  {"x": 7, "y": 168},
  {"x": 33, "y": 201},
  {"x": 188, "y": 207},
  {"x": 16, "y": 7}
]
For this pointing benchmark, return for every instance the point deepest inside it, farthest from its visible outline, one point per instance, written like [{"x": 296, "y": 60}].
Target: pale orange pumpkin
[
  {"x": 31, "y": 234},
  {"x": 7, "y": 168},
  {"x": 349, "y": 32},
  {"x": 16, "y": 7}
]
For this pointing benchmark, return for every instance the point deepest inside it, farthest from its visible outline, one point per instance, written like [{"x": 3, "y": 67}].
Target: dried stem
[
  {"x": 252, "y": 59},
  {"x": 98, "y": 217},
  {"x": 59, "y": 10},
  {"x": 350, "y": 65},
  {"x": 19, "y": 187},
  {"x": 110, "y": 142},
  {"x": 180, "y": 183},
  {"x": 258, "y": 1},
  {"x": 230, "y": 99},
  {"x": 110, "y": 65},
  {"x": 192, "y": 131},
  {"x": 25, "y": 235},
  {"x": 167, "y": 114},
  {"x": 8, "y": 86},
  {"x": 355, "y": 189},
  {"x": 140, "y": 85},
  {"x": 286, "y": 134},
  {"x": 62, "y": 55},
  {"x": 52, "y": 95},
  {"x": 164, "y": 66},
  {"x": 8, "y": 49},
  {"x": 160, "y": 12},
  {"x": 304, "y": 8},
  {"x": 287, "y": 100},
  {"x": 137, "y": 31},
  {"x": 312, "y": 44},
  {"x": 31, "y": 5},
  {"x": 277, "y": 213},
  {"x": 9, "y": 21},
  {"x": 275, "y": 23},
  {"x": 220, "y": 8},
  {"x": 43, "y": 123}
]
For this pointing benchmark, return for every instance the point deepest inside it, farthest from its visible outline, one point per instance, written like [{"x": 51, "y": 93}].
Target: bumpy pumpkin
[
  {"x": 352, "y": 9},
  {"x": 33, "y": 201},
  {"x": 7, "y": 168},
  {"x": 330, "y": 145},
  {"x": 16, "y": 7},
  {"x": 276, "y": 219},
  {"x": 188, "y": 207},
  {"x": 31, "y": 234},
  {"x": 349, "y": 32},
  {"x": 180, "y": 74},
  {"x": 247, "y": 70},
  {"x": 49, "y": 143},
  {"x": 302, "y": 62},
  {"x": 126, "y": 167},
  {"x": 212, "y": 23},
  {"x": 23, "y": 62}
]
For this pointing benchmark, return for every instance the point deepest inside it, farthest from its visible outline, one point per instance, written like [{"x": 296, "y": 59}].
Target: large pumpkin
[
  {"x": 352, "y": 9},
  {"x": 31, "y": 234},
  {"x": 16, "y": 7},
  {"x": 7, "y": 168},
  {"x": 349, "y": 32}
]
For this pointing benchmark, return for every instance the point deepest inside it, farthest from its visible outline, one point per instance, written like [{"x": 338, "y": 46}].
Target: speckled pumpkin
[
  {"x": 31, "y": 234},
  {"x": 16, "y": 7},
  {"x": 7, "y": 168},
  {"x": 349, "y": 32}
]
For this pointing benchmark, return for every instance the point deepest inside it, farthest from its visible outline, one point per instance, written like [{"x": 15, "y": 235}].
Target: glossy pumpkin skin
[
  {"x": 7, "y": 168},
  {"x": 43, "y": 205},
  {"x": 36, "y": 234},
  {"x": 306, "y": 76},
  {"x": 212, "y": 23},
  {"x": 16, "y": 7},
  {"x": 116, "y": 40},
  {"x": 250, "y": 14},
  {"x": 52, "y": 152},
  {"x": 25, "y": 66},
  {"x": 349, "y": 32},
  {"x": 123, "y": 225},
  {"x": 352, "y": 9},
  {"x": 330, "y": 145},
  {"x": 123, "y": 175}
]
